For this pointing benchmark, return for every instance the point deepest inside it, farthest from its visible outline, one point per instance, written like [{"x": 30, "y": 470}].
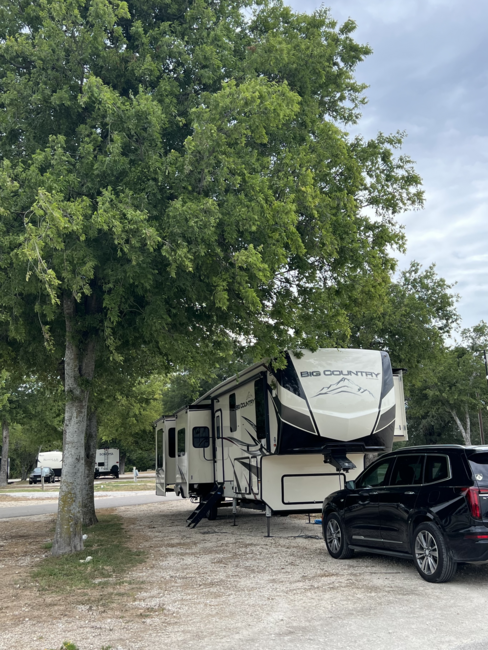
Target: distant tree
[
  {"x": 33, "y": 410},
  {"x": 453, "y": 386},
  {"x": 413, "y": 322},
  {"x": 185, "y": 387}
]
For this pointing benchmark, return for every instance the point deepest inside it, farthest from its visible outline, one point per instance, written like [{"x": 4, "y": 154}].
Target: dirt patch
[{"x": 220, "y": 587}]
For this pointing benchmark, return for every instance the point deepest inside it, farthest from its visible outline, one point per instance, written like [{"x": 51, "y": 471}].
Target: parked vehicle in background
[
  {"x": 47, "y": 473},
  {"x": 429, "y": 503},
  {"x": 52, "y": 459},
  {"x": 107, "y": 463}
]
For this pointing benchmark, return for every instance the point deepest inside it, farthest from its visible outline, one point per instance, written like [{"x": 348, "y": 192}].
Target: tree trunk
[
  {"x": 465, "y": 432},
  {"x": 468, "y": 427},
  {"x": 78, "y": 366},
  {"x": 91, "y": 440},
  {"x": 122, "y": 458},
  {"x": 369, "y": 458},
  {"x": 5, "y": 451}
]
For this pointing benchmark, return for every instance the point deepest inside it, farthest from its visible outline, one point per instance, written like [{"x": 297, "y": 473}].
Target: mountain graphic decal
[{"x": 344, "y": 385}]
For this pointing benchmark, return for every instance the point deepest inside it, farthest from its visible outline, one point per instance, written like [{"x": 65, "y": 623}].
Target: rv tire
[{"x": 335, "y": 538}]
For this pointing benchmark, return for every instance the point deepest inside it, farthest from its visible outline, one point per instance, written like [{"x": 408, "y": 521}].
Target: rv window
[
  {"x": 233, "y": 412},
  {"x": 171, "y": 442},
  {"x": 181, "y": 442},
  {"x": 217, "y": 426},
  {"x": 201, "y": 437},
  {"x": 259, "y": 397}
]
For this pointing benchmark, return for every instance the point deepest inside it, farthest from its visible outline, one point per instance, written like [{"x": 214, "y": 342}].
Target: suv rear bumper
[{"x": 471, "y": 546}]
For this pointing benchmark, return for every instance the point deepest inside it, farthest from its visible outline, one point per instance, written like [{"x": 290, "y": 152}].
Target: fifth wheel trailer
[
  {"x": 106, "y": 462},
  {"x": 52, "y": 459},
  {"x": 282, "y": 439}
]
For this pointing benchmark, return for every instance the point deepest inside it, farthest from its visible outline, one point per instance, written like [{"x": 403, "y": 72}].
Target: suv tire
[
  {"x": 335, "y": 538},
  {"x": 431, "y": 555}
]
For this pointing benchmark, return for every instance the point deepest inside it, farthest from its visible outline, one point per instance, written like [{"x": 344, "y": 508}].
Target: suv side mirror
[{"x": 350, "y": 485}]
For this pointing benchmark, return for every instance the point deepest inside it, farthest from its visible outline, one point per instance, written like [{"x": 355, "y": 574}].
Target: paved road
[{"x": 112, "y": 502}]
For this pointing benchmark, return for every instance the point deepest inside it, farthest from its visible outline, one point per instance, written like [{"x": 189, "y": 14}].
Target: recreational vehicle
[
  {"x": 282, "y": 440},
  {"x": 107, "y": 462},
  {"x": 52, "y": 459}
]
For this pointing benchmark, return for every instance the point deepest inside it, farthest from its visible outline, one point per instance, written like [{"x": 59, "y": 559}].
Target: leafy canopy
[{"x": 183, "y": 170}]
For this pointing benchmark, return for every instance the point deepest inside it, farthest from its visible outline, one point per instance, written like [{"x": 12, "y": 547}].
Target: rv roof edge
[{"x": 237, "y": 378}]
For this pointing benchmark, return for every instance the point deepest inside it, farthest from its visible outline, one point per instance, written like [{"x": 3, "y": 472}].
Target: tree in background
[
  {"x": 32, "y": 415},
  {"x": 178, "y": 177},
  {"x": 413, "y": 323},
  {"x": 453, "y": 387},
  {"x": 185, "y": 387}
]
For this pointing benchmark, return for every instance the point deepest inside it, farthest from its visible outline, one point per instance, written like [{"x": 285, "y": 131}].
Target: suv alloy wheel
[
  {"x": 431, "y": 555},
  {"x": 335, "y": 538}
]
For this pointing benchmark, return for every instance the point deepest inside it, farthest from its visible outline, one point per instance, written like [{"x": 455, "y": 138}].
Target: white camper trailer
[
  {"x": 107, "y": 462},
  {"x": 52, "y": 459},
  {"x": 282, "y": 439}
]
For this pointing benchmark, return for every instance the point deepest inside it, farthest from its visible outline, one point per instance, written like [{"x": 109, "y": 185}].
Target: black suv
[{"x": 429, "y": 503}]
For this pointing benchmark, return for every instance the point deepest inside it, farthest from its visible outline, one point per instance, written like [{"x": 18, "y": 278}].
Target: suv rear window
[
  {"x": 436, "y": 468},
  {"x": 479, "y": 466}
]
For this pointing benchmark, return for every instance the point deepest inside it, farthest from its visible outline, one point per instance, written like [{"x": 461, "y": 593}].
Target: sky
[{"x": 428, "y": 76}]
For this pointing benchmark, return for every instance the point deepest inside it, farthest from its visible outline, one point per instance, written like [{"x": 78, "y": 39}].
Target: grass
[
  {"x": 109, "y": 486},
  {"x": 107, "y": 544}
]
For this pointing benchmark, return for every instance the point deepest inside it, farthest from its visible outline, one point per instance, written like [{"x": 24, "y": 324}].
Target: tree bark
[
  {"x": 122, "y": 458},
  {"x": 91, "y": 441},
  {"x": 465, "y": 432},
  {"x": 369, "y": 458},
  {"x": 5, "y": 451},
  {"x": 78, "y": 366},
  {"x": 468, "y": 427}
]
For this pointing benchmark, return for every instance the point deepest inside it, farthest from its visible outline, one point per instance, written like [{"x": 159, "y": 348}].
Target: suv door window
[
  {"x": 376, "y": 475},
  {"x": 436, "y": 468},
  {"x": 407, "y": 470}
]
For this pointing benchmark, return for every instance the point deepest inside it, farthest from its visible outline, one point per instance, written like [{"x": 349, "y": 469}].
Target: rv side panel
[{"x": 300, "y": 483}]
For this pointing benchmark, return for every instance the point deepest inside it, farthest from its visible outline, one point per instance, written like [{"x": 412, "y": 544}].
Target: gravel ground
[{"x": 221, "y": 587}]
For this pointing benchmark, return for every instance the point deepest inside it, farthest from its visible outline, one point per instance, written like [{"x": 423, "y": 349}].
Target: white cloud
[{"x": 428, "y": 76}]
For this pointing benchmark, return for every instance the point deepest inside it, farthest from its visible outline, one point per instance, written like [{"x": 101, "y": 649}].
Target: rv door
[
  {"x": 160, "y": 462},
  {"x": 219, "y": 447}
]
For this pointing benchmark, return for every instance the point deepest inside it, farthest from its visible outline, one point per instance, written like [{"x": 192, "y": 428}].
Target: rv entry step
[{"x": 205, "y": 505}]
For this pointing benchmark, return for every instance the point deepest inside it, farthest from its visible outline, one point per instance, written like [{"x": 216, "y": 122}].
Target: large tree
[
  {"x": 177, "y": 175},
  {"x": 452, "y": 387}
]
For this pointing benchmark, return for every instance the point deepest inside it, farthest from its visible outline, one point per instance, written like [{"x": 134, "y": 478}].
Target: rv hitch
[{"x": 338, "y": 459}]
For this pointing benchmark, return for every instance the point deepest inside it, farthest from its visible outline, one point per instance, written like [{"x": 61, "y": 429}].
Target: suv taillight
[{"x": 473, "y": 496}]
